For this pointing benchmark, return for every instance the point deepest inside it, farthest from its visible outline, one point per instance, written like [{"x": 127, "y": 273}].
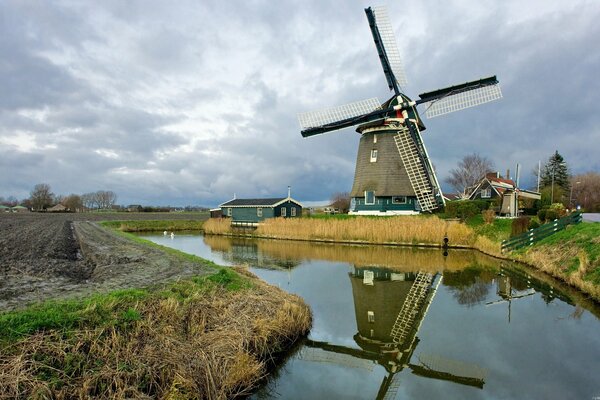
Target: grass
[
  {"x": 572, "y": 255},
  {"x": 207, "y": 337},
  {"x": 154, "y": 225},
  {"x": 497, "y": 231}
]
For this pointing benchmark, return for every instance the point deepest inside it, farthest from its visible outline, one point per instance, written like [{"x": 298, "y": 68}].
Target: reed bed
[
  {"x": 400, "y": 258},
  {"x": 197, "y": 339},
  {"x": 392, "y": 230}
]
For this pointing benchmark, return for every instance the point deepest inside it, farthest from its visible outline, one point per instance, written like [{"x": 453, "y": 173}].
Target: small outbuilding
[{"x": 253, "y": 211}]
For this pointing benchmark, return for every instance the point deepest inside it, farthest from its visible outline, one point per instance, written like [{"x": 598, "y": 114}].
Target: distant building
[
  {"x": 58, "y": 208},
  {"x": 253, "y": 211},
  {"x": 134, "y": 208},
  {"x": 493, "y": 186},
  {"x": 19, "y": 209}
]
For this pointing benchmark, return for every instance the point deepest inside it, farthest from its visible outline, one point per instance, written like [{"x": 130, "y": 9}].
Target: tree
[
  {"x": 73, "y": 202},
  {"x": 41, "y": 196},
  {"x": 586, "y": 191},
  {"x": 555, "y": 172},
  {"x": 341, "y": 201},
  {"x": 470, "y": 170}
]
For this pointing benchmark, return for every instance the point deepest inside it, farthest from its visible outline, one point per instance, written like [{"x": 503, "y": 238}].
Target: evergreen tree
[{"x": 556, "y": 171}]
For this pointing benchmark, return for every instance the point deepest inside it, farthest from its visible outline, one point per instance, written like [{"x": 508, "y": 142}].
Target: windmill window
[
  {"x": 374, "y": 138},
  {"x": 373, "y": 155},
  {"x": 371, "y": 316},
  {"x": 229, "y": 211},
  {"x": 293, "y": 212},
  {"x": 399, "y": 200},
  {"x": 283, "y": 212},
  {"x": 486, "y": 193},
  {"x": 370, "y": 197},
  {"x": 259, "y": 212}
]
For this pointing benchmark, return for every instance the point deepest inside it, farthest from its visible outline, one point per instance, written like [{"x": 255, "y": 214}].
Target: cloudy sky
[{"x": 187, "y": 103}]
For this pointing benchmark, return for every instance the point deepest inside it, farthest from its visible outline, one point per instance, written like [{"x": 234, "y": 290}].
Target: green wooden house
[{"x": 253, "y": 211}]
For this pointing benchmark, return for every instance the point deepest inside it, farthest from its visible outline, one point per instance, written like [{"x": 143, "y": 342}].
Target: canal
[{"x": 394, "y": 322}]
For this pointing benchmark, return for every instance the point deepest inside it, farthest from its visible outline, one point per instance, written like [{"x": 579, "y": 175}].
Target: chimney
[{"x": 289, "y": 192}]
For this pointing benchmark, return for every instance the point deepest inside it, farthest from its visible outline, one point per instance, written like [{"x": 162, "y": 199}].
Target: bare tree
[
  {"x": 41, "y": 196},
  {"x": 73, "y": 203},
  {"x": 341, "y": 201},
  {"x": 585, "y": 191},
  {"x": 470, "y": 170}
]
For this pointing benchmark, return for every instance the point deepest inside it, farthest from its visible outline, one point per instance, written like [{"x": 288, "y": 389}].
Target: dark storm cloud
[{"x": 189, "y": 103}]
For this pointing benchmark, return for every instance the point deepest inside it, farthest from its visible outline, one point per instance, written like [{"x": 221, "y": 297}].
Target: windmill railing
[{"x": 535, "y": 235}]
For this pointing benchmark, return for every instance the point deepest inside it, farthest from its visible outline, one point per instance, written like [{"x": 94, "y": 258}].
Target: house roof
[{"x": 269, "y": 202}]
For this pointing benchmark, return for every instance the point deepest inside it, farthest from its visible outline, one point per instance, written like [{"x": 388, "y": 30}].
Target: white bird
[
  {"x": 172, "y": 235},
  {"x": 165, "y": 233}
]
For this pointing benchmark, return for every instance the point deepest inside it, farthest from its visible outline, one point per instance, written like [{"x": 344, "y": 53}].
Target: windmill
[{"x": 394, "y": 174}]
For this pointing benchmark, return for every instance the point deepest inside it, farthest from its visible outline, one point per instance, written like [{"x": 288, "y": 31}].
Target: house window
[
  {"x": 283, "y": 211},
  {"x": 371, "y": 316},
  {"x": 486, "y": 193},
  {"x": 259, "y": 212},
  {"x": 373, "y": 155},
  {"x": 399, "y": 200},
  {"x": 370, "y": 197},
  {"x": 229, "y": 211},
  {"x": 293, "y": 211}
]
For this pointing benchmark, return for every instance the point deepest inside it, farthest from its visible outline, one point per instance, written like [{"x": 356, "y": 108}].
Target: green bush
[
  {"x": 541, "y": 214},
  {"x": 551, "y": 215},
  {"x": 533, "y": 223},
  {"x": 464, "y": 209},
  {"x": 519, "y": 225}
]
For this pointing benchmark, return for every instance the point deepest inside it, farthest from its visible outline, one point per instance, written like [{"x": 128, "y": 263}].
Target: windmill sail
[
  {"x": 385, "y": 42},
  {"x": 315, "y": 122},
  {"x": 459, "y": 97}
]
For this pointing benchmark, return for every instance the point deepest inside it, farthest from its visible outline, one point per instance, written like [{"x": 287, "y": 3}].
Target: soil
[{"x": 45, "y": 256}]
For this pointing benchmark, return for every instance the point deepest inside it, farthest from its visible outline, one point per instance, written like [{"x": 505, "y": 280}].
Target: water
[{"x": 481, "y": 329}]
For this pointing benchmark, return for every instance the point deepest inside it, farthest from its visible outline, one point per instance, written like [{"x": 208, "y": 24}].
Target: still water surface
[{"x": 415, "y": 323}]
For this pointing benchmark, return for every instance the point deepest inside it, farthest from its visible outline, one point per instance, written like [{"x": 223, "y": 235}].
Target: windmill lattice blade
[
  {"x": 462, "y": 100},
  {"x": 389, "y": 43},
  {"x": 329, "y": 115}
]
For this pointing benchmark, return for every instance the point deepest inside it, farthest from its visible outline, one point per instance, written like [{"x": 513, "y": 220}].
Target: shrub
[
  {"x": 541, "y": 214},
  {"x": 488, "y": 216},
  {"x": 464, "y": 209},
  {"x": 560, "y": 209},
  {"x": 551, "y": 215},
  {"x": 533, "y": 223},
  {"x": 519, "y": 225}
]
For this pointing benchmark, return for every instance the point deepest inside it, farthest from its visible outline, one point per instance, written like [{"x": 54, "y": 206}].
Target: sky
[{"x": 190, "y": 102}]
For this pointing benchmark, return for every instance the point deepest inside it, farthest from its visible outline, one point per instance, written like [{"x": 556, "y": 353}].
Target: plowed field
[{"x": 44, "y": 256}]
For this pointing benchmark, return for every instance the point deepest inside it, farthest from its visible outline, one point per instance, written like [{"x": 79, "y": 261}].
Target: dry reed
[
  {"x": 212, "y": 345},
  {"x": 393, "y": 230}
]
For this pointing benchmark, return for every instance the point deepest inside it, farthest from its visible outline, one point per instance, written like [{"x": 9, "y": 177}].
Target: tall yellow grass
[{"x": 393, "y": 230}]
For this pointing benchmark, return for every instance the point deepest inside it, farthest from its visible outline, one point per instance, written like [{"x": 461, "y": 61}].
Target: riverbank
[{"x": 130, "y": 320}]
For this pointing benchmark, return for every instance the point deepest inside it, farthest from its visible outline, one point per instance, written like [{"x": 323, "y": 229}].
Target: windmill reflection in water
[{"x": 390, "y": 308}]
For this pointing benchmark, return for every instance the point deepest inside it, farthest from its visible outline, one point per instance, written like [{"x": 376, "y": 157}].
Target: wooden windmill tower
[{"x": 393, "y": 172}]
